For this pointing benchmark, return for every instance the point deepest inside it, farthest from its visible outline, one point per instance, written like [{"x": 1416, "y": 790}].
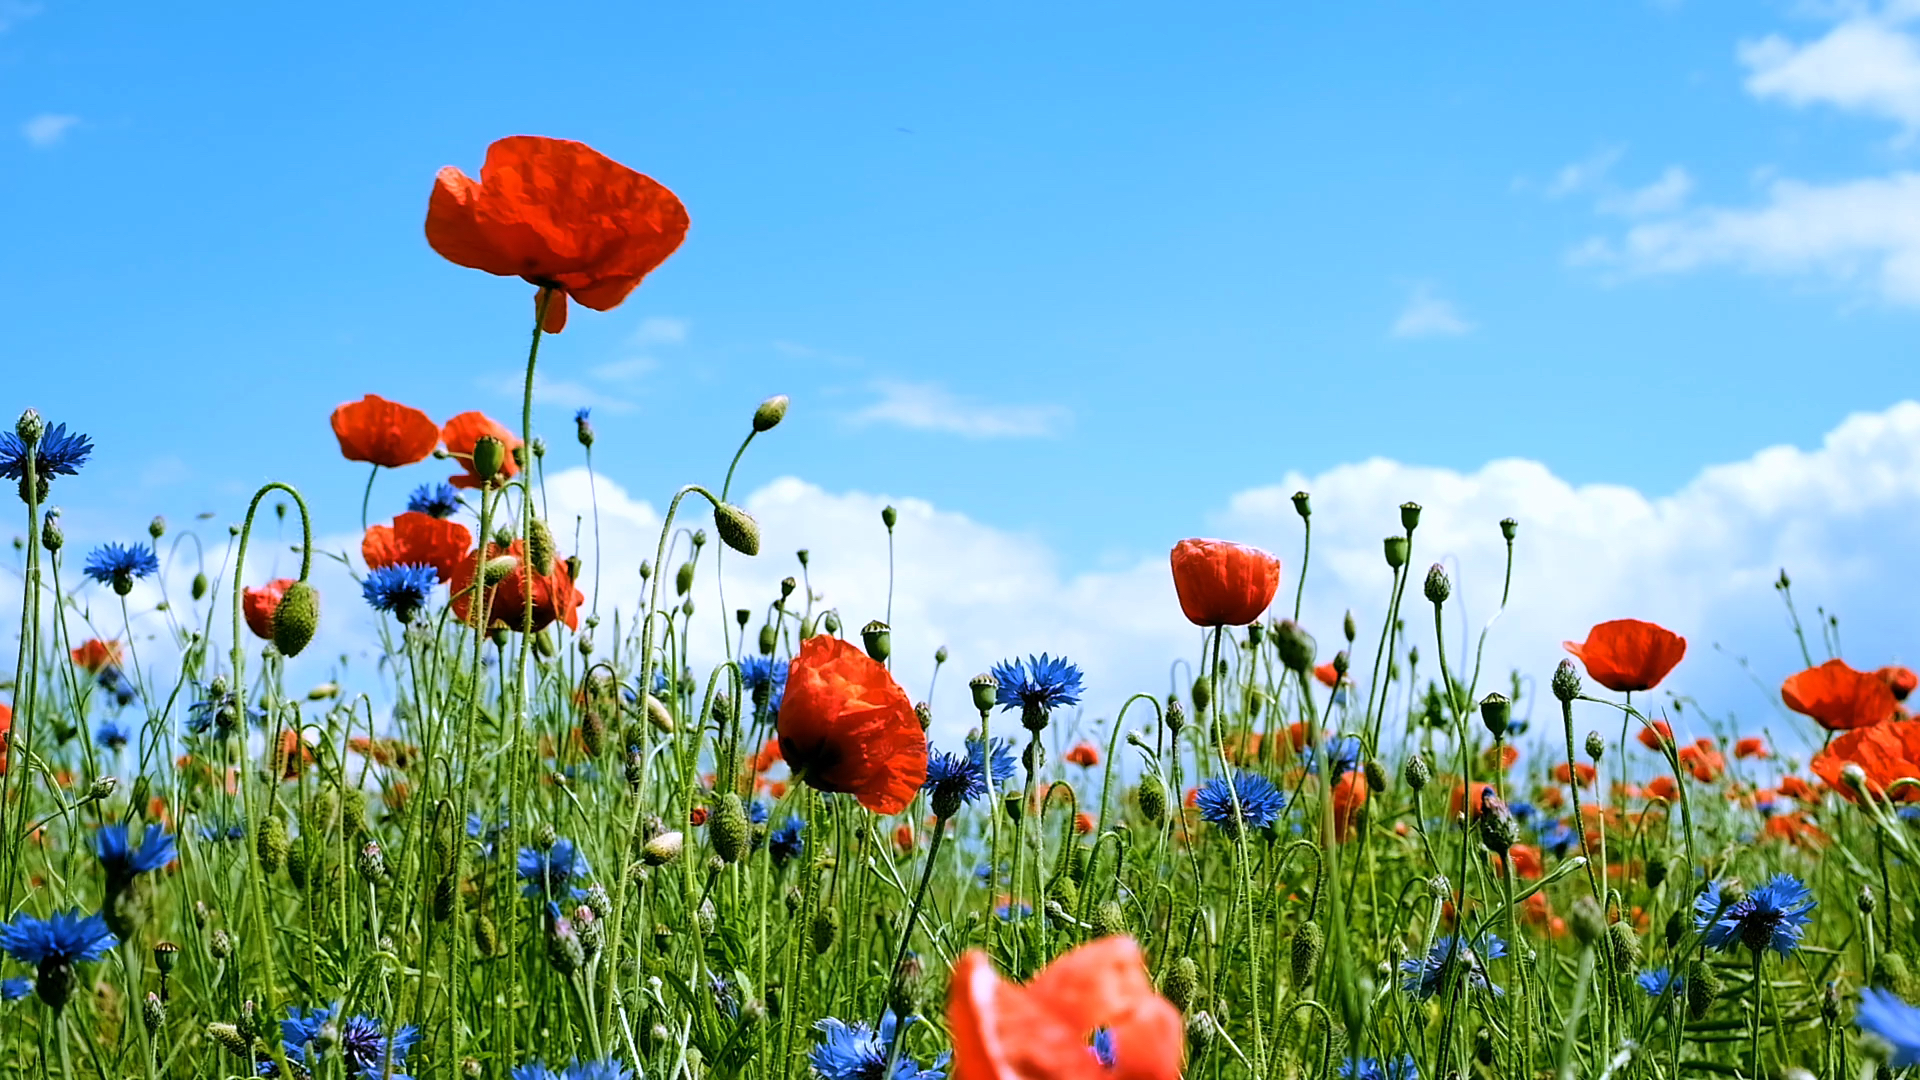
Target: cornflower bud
[
  {"x": 1438, "y": 587},
  {"x": 1566, "y": 681}
]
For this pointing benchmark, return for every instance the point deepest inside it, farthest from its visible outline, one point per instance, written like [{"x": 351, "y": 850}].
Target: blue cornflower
[
  {"x": 1523, "y": 812},
  {"x": 119, "y": 565},
  {"x": 1425, "y": 976},
  {"x": 1344, "y": 752},
  {"x": 111, "y": 735},
  {"x": 115, "y": 682},
  {"x": 400, "y": 590},
  {"x": 1559, "y": 838},
  {"x": 220, "y": 711},
  {"x": 487, "y": 834},
  {"x": 547, "y": 873},
  {"x": 122, "y": 862},
  {"x": 853, "y": 1052},
  {"x": 365, "y": 1048},
  {"x": 1375, "y": 1069},
  {"x": 1036, "y": 686},
  {"x": 1772, "y": 916},
  {"x": 765, "y": 680},
  {"x": 59, "y": 453},
  {"x": 1002, "y": 760},
  {"x": 532, "y": 1070},
  {"x": 53, "y": 945},
  {"x": 1260, "y": 801},
  {"x": 1517, "y": 727},
  {"x": 1655, "y": 982},
  {"x": 1893, "y": 1021},
  {"x": 787, "y": 842},
  {"x": 1103, "y": 1048},
  {"x": 214, "y": 832},
  {"x": 16, "y": 988},
  {"x": 757, "y": 811},
  {"x": 953, "y": 780},
  {"x": 1005, "y": 912},
  {"x": 607, "y": 1069},
  {"x": 439, "y": 500}
]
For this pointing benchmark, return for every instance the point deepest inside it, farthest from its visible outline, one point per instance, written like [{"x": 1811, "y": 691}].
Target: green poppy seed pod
[
  {"x": 297, "y": 617},
  {"x": 1152, "y": 797},
  {"x": 1350, "y": 628},
  {"x": 683, "y": 578},
  {"x": 1181, "y": 983},
  {"x": 889, "y": 517},
  {"x": 52, "y": 537},
  {"x": 1301, "y": 505},
  {"x": 1626, "y": 947},
  {"x": 1308, "y": 942},
  {"x": 662, "y": 849},
  {"x": 1498, "y": 831},
  {"x": 1508, "y": 527},
  {"x": 770, "y": 412},
  {"x": 154, "y": 1012},
  {"x": 1255, "y": 633},
  {"x": 1588, "y": 922},
  {"x": 1596, "y": 746},
  {"x": 1010, "y": 802},
  {"x": 1417, "y": 773},
  {"x": 737, "y": 529},
  {"x": 769, "y": 639},
  {"x": 1566, "y": 681},
  {"x": 1891, "y": 972},
  {"x": 787, "y": 585},
  {"x": 830, "y": 622},
  {"x": 728, "y": 829},
  {"x": 1397, "y": 551},
  {"x": 983, "y": 688},
  {"x": 486, "y": 935},
  {"x": 878, "y": 640},
  {"x": 498, "y": 569},
  {"x": 199, "y": 587},
  {"x": 1438, "y": 587},
  {"x": 1296, "y": 646},
  {"x": 165, "y": 955},
  {"x": 446, "y": 897},
  {"x": 1064, "y": 892},
  {"x": 157, "y": 528},
  {"x": 271, "y": 843},
  {"x": 1176, "y": 717},
  {"x": 658, "y": 716},
  {"x": 489, "y": 457},
  {"x": 1409, "y": 516},
  {"x": 1377, "y": 778},
  {"x": 1703, "y": 989},
  {"x": 1202, "y": 693},
  {"x": 923, "y": 712},
  {"x": 540, "y": 546},
  {"x": 1496, "y": 712},
  {"x": 228, "y": 1035},
  {"x": 1109, "y": 920},
  {"x": 826, "y": 929},
  {"x": 353, "y": 813},
  {"x": 1656, "y": 872}
]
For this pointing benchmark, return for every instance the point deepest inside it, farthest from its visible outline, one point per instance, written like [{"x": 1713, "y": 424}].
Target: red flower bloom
[
  {"x": 1838, "y": 697},
  {"x": 559, "y": 214},
  {"x": 1662, "y": 787},
  {"x": 768, "y": 757},
  {"x": 1298, "y": 733},
  {"x": 903, "y": 836},
  {"x": 95, "y": 656},
  {"x": 1509, "y": 754},
  {"x": 463, "y": 431},
  {"x": 1627, "y": 654},
  {"x": 1586, "y": 772},
  {"x": 1459, "y": 800},
  {"x": 1703, "y": 761},
  {"x": 1223, "y": 584},
  {"x": 1526, "y": 861},
  {"x": 1795, "y": 788},
  {"x": 416, "y": 538},
  {"x": 1796, "y": 830},
  {"x": 554, "y": 597},
  {"x": 1083, "y": 823},
  {"x": 845, "y": 725},
  {"x": 1885, "y": 753},
  {"x": 1657, "y": 736},
  {"x": 1085, "y": 754},
  {"x": 1327, "y": 674},
  {"x": 384, "y": 433},
  {"x": 1753, "y": 746},
  {"x": 697, "y": 816},
  {"x": 1041, "y": 1031},
  {"x": 6, "y": 738},
  {"x": 1349, "y": 795},
  {"x": 1902, "y": 681},
  {"x": 258, "y": 605}
]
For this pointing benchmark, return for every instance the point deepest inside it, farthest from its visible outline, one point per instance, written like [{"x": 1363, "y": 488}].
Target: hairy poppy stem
[{"x": 25, "y": 678}]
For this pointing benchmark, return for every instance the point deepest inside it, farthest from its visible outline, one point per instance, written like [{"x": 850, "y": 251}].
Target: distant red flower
[
  {"x": 1656, "y": 736},
  {"x": 290, "y": 755},
  {"x": 903, "y": 836},
  {"x": 1223, "y": 584},
  {"x": 384, "y": 433},
  {"x": 1795, "y": 829},
  {"x": 1083, "y": 823},
  {"x": 1085, "y": 754},
  {"x": 1526, "y": 861},
  {"x": 1327, "y": 674},
  {"x": 1753, "y": 746},
  {"x": 1838, "y": 697},
  {"x": 1042, "y": 1031},
  {"x": 560, "y": 214},
  {"x": 1349, "y": 795},
  {"x": 1885, "y": 753},
  {"x": 417, "y": 538},
  {"x": 1703, "y": 760},
  {"x": 1662, "y": 787},
  {"x": 1902, "y": 681},
  {"x": 94, "y": 656},
  {"x": 1586, "y": 772},
  {"x": 258, "y": 605},
  {"x": 1795, "y": 788},
  {"x": 1509, "y": 754},
  {"x": 768, "y": 757},
  {"x": 846, "y": 726},
  {"x": 554, "y": 597},
  {"x": 6, "y": 737},
  {"x": 1298, "y": 733},
  {"x": 463, "y": 431},
  {"x": 1459, "y": 800},
  {"x": 1627, "y": 654},
  {"x": 1241, "y": 749},
  {"x": 697, "y": 816}
]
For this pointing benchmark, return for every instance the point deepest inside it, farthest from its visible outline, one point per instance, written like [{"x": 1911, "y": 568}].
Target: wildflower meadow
[{"x": 551, "y": 836}]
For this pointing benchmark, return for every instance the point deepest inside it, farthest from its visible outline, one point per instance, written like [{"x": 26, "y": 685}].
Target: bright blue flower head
[
  {"x": 122, "y": 862},
  {"x": 401, "y": 591},
  {"x": 1772, "y": 916},
  {"x": 954, "y": 780},
  {"x": 1344, "y": 752},
  {"x": 1894, "y": 1022},
  {"x": 1559, "y": 838},
  {"x": 1036, "y": 686},
  {"x": 787, "y": 841},
  {"x": 439, "y": 500},
  {"x": 1655, "y": 982},
  {"x": 854, "y": 1052},
  {"x": 59, "y": 453},
  {"x": 53, "y": 945},
  {"x": 220, "y": 711},
  {"x": 110, "y": 735},
  {"x": 365, "y": 1048},
  {"x": 1451, "y": 956},
  {"x": 1375, "y": 1069},
  {"x": 119, "y": 565},
  {"x": 607, "y": 1069},
  {"x": 551, "y": 872},
  {"x": 15, "y": 988},
  {"x": 1103, "y": 1048},
  {"x": 765, "y": 680},
  {"x": 1260, "y": 801},
  {"x": 757, "y": 812}
]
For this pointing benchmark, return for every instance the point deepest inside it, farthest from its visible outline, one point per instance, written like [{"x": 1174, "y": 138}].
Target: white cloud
[
  {"x": 47, "y": 129},
  {"x": 1663, "y": 196},
  {"x": 1585, "y": 174},
  {"x": 1427, "y": 315},
  {"x": 660, "y": 330},
  {"x": 559, "y": 393},
  {"x": 1864, "y": 64},
  {"x": 626, "y": 370},
  {"x": 932, "y": 407}
]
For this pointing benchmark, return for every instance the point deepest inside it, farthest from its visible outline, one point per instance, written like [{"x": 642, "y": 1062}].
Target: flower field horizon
[{"x": 590, "y": 785}]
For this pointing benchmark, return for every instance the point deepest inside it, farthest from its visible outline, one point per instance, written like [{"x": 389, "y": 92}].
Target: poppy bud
[
  {"x": 1109, "y": 920},
  {"x": 1376, "y": 774},
  {"x": 1703, "y": 989},
  {"x": 1438, "y": 588},
  {"x": 1152, "y": 797},
  {"x": 1496, "y": 711},
  {"x": 1508, "y": 527},
  {"x": 1296, "y": 646},
  {"x": 830, "y": 622},
  {"x": 489, "y": 457},
  {"x": 540, "y": 546},
  {"x": 737, "y": 529},
  {"x": 878, "y": 640},
  {"x": 683, "y": 578},
  {"x": 728, "y": 829},
  {"x": 1202, "y": 693},
  {"x": 1308, "y": 941},
  {"x": 296, "y": 618},
  {"x": 1783, "y": 583},
  {"x": 889, "y": 517},
  {"x": 826, "y": 929},
  {"x": 1417, "y": 773},
  {"x": 199, "y": 587},
  {"x": 1595, "y": 745},
  {"x": 1656, "y": 872},
  {"x": 1626, "y": 947},
  {"x": 272, "y": 843},
  {"x": 770, "y": 412},
  {"x": 1181, "y": 984},
  {"x": 1397, "y": 551},
  {"x": 1301, "y": 505},
  {"x": 228, "y": 1035},
  {"x": 1350, "y": 628},
  {"x": 923, "y": 712},
  {"x": 486, "y": 935},
  {"x": 662, "y": 849},
  {"x": 1588, "y": 923},
  {"x": 769, "y": 638},
  {"x": 1409, "y": 515},
  {"x": 1566, "y": 681},
  {"x": 658, "y": 716},
  {"x": 940, "y": 655}
]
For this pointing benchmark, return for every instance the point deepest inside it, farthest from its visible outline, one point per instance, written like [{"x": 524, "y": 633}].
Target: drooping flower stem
[{"x": 366, "y": 497}]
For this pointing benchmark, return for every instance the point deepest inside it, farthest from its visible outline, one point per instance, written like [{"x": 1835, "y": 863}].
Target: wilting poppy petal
[
  {"x": 1838, "y": 697},
  {"x": 1223, "y": 584},
  {"x": 258, "y": 605},
  {"x": 384, "y": 433},
  {"x": 418, "y": 539},
  {"x": 463, "y": 431},
  {"x": 846, "y": 726},
  {"x": 1043, "y": 1030},
  {"x": 1627, "y": 654}
]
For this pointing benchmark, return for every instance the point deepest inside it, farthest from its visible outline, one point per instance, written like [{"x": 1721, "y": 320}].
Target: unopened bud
[
  {"x": 770, "y": 412},
  {"x": 1438, "y": 587}
]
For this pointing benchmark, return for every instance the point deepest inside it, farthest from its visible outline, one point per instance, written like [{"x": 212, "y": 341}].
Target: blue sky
[{"x": 1082, "y": 274}]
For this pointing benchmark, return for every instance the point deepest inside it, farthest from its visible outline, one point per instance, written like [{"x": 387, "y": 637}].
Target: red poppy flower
[
  {"x": 1795, "y": 788},
  {"x": 903, "y": 836},
  {"x": 291, "y": 756},
  {"x": 1459, "y": 800},
  {"x": 554, "y": 597},
  {"x": 1083, "y": 823},
  {"x": 1223, "y": 584},
  {"x": 1349, "y": 795},
  {"x": 560, "y": 214},
  {"x": 1586, "y": 772},
  {"x": 6, "y": 737},
  {"x": 258, "y": 605},
  {"x": 1627, "y": 654},
  {"x": 1796, "y": 830},
  {"x": 384, "y": 433},
  {"x": 1526, "y": 861},
  {"x": 419, "y": 539},
  {"x": 1902, "y": 681},
  {"x": 1662, "y": 787},
  {"x": 1753, "y": 746},
  {"x": 1838, "y": 697},
  {"x": 1885, "y": 753},
  {"x": 1298, "y": 733},
  {"x": 845, "y": 725},
  {"x": 463, "y": 431},
  {"x": 1703, "y": 761},
  {"x": 1509, "y": 754},
  {"x": 768, "y": 757},
  {"x": 95, "y": 656},
  {"x": 1042, "y": 1031},
  {"x": 1657, "y": 736},
  {"x": 1327, "y": 674},
  {"x": 1086, "y": 755}
]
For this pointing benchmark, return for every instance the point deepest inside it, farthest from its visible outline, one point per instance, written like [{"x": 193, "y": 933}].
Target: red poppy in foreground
[
  {"x": 6, "y": 737},
  {"x": 383, "y": 432},
  {"x": 1043, "y": 1030},
  {"x": 1901, "y": 680},
  {"x": 463, "y": 431},
  {"x": 554, "y": 597},
  {"x": 94, "y": 656},
  {"x": 1086, "y": 755},
  {"x": 417, "y": 539},
  {"x": 1885, "y": 753},
  {"x": 1627, "y": 654},
  {"x": 1838, "y": 697},
  {"x": 560, "y": 214},
  {"x": 1223, "y": 584},
  {"x": 846, "y": 726},
  {"x": 258, "y": 605}
]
